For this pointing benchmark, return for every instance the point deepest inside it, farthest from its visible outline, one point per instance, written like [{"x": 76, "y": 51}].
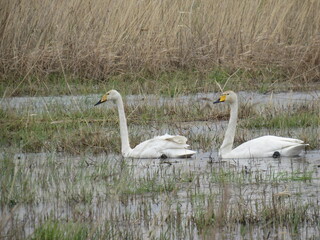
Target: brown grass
[{"x": 97, "y": 38}]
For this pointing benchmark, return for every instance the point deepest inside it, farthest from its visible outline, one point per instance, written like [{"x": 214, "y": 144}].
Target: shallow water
[
  {"x": 55, "y": 192},
  {"x": 40, "y": 104}
]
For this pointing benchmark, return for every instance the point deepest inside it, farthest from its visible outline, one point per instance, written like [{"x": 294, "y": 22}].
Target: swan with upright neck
[
  {"x": 166, "y": 146},
  {"x": 265, "y": 146}
]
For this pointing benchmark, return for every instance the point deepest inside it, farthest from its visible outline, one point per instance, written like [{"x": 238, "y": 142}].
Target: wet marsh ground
[
  {"x": 63, "y": 178},
  {"x": 61, "y": 175}
]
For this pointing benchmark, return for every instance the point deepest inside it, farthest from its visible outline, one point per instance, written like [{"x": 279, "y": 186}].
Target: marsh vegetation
[
  {"x": 152, "y": 47},
  {"x": 73, "y": 125},
  {"x": 62, "y": 175},
  {"x": 54, "y": 196}
]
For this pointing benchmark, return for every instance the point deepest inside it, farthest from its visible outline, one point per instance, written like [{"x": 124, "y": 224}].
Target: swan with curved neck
[
  {"x": 265, "y": 146},
  {"x": 157, "y": 147}
]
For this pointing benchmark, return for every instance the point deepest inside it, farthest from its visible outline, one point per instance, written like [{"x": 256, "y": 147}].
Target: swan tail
[{"x": 293, "y": 150}]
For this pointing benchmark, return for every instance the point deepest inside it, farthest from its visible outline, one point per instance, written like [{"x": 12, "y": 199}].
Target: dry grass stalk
[{"x": 93, "y": 39}]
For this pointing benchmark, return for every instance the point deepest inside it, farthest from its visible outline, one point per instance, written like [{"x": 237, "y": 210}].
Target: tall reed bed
[{"x": 96, "y": 39}]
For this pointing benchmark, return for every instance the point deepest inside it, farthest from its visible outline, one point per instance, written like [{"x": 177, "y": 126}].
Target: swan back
[
  {"x": 168, "y": 145},
  {"x": 266, "y": 146}
]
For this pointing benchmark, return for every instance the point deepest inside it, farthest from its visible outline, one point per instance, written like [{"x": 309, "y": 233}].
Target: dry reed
[{"x": 97, "y": 38}]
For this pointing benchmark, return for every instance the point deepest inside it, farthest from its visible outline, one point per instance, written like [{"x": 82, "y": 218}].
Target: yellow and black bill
[
  {"x": 102, "y": 100},
  {"x": 221, "y": 99}
]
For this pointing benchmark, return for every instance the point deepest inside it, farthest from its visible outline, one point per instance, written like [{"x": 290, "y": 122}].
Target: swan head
[
  {"x": 110, "y": 95},
  {"x": 228, "y": 97}
]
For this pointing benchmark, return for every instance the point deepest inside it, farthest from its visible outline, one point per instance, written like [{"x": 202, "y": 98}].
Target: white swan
[
  {"x": 157, "y": 147},
  {"x": 266, "y": 146}
]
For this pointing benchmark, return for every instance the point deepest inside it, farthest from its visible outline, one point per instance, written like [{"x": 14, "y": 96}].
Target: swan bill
[
  {"x": 221, "y": 99},
  {"x": 98, "y": 103},
  {"x": 102, "y": 100}
]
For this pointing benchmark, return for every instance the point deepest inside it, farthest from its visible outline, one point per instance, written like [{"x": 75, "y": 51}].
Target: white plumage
[
  {"x": 266, "y": 146},
  {"x": 166, "y": 145},
  {"x": 157, "y": 147}
]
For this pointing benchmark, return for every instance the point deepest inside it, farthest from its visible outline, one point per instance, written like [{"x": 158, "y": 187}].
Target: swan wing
[
  {"x": 266, "y": 146},
  {"x": 168, "y": 145}
]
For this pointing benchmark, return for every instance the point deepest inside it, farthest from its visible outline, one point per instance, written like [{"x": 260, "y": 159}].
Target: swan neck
[
  {"x": 227, "y": 144},
  {"x": 125, "y": 146}
]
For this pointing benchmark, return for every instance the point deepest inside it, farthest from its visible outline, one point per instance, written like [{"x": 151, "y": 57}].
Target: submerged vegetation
[{"x": 109, "y": 197}]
